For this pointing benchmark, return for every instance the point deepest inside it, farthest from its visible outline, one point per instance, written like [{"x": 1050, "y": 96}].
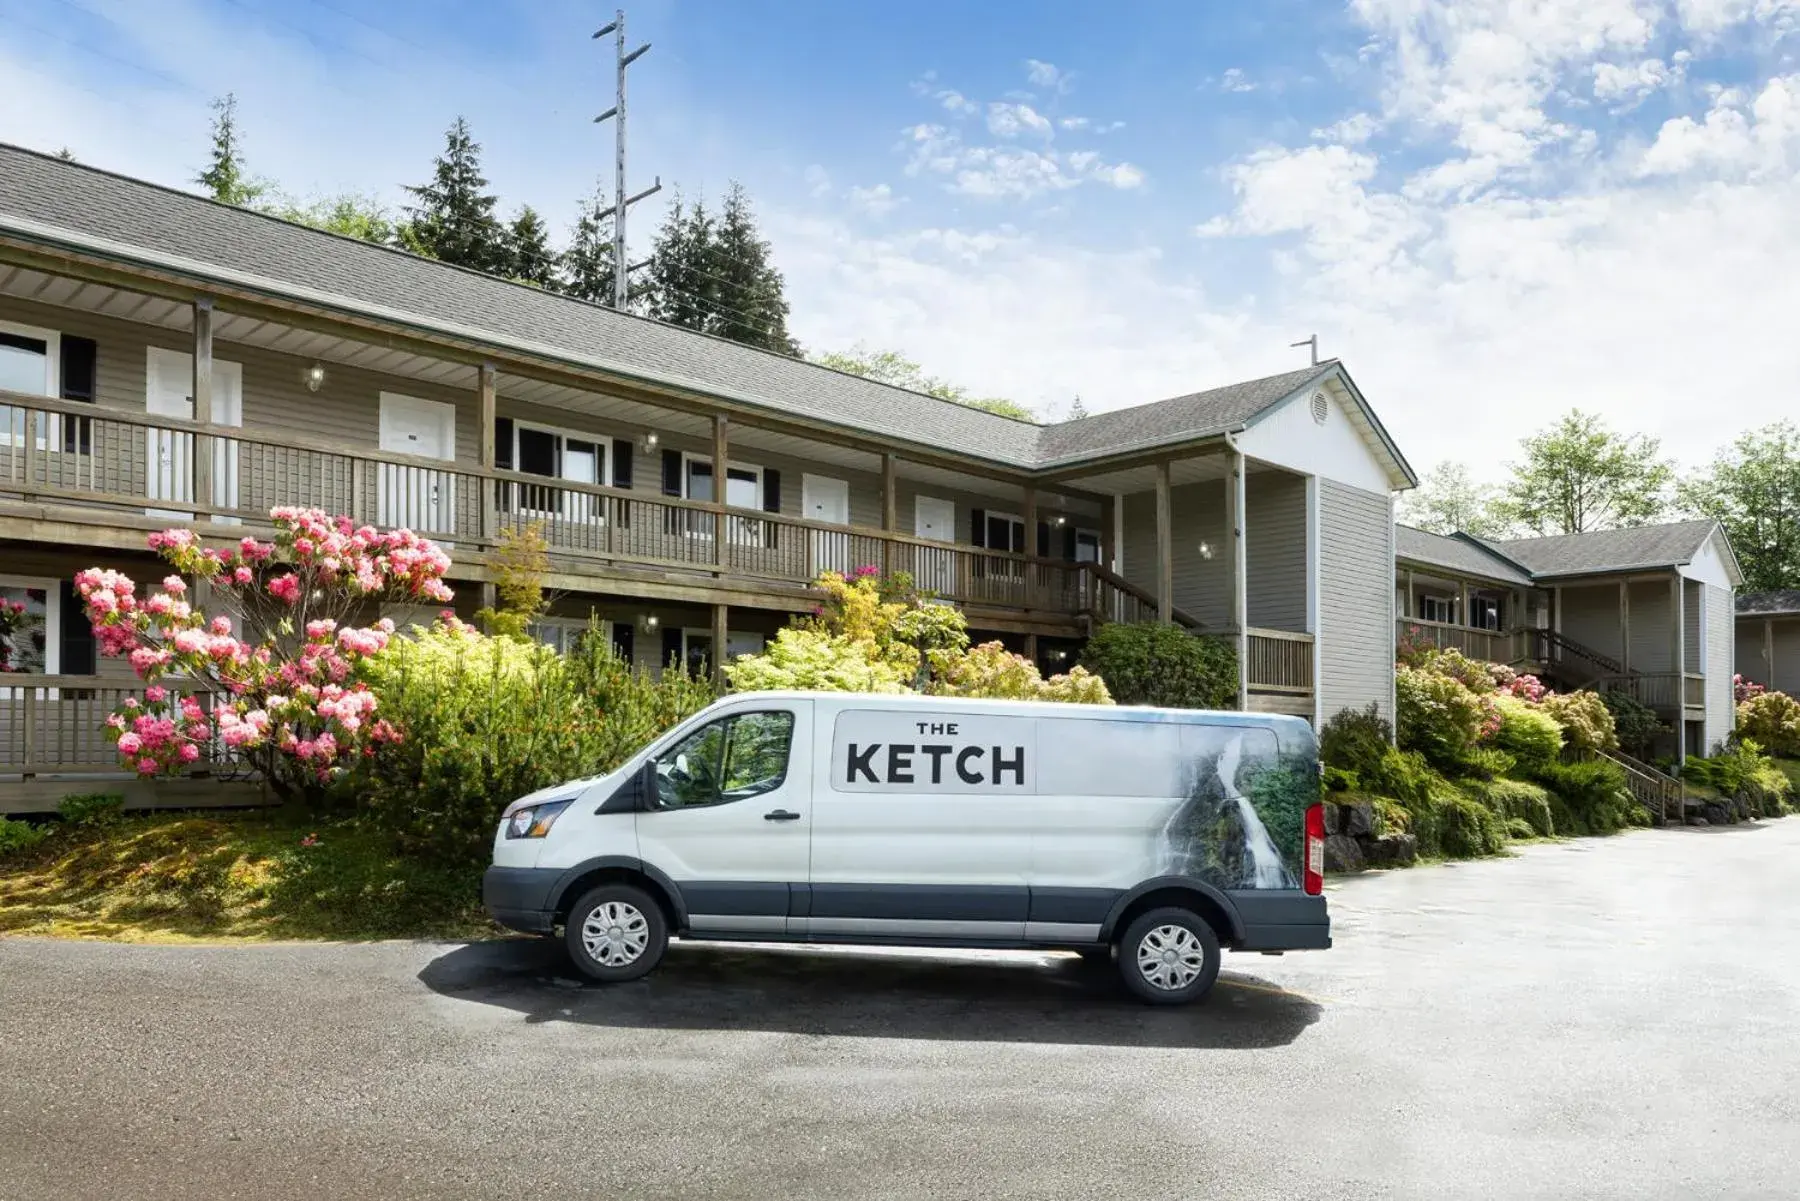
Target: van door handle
[{"x": 781, "y": 815}]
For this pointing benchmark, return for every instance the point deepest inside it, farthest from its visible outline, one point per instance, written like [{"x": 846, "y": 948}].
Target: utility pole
[
  {"x": 1312, "y": 341},
  {"x": 621, "y": 201}
]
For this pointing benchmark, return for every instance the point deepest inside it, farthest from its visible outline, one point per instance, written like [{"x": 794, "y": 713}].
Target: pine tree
[
  {"x": 454, "y": 219},
  {"x": 587, "y": 265},
  {"x": 1077, "y": 410},
  {"x": 533, "y": 261},
  {"x": 224, "y": 176},
  {"x": 749, "y": 305},
  {"x": 67, "y": 155},
  {"x": 681, "y": 288}
]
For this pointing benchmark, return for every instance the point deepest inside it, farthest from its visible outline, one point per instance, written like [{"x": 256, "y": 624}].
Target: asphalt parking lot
[{"x": 1599, "y": 1018}]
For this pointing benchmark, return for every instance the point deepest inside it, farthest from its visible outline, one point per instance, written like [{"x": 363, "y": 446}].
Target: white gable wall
[
  {"x": 1288, "y": 436},
  {"x": 1709, "y": 565}
]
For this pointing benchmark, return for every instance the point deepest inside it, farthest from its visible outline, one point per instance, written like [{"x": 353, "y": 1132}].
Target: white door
[
  {"x": 823, "y": 498},
  {"x": 731, "y": 822},
  {"x": 935, "y": 519},
  {"x": 417, "y": 498},
  {"x": 169, "y": 392}
]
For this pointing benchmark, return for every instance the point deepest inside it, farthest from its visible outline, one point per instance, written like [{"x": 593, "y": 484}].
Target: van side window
[{"x": 731, "y": 759}]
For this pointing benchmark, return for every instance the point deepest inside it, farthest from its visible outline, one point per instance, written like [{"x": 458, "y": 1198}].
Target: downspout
[{"x": 1240, "y": 565}]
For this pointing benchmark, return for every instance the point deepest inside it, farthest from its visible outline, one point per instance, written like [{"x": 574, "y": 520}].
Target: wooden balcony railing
[
  {"x": 1493, "y": 646},
  {"x": 1664, "y": 691},
  {"x": 1278, "y": 661},
  {"x": 57, "y": 724}
]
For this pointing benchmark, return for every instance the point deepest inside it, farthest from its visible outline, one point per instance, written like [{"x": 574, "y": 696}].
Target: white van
[{"x": 1158, "y": 834}]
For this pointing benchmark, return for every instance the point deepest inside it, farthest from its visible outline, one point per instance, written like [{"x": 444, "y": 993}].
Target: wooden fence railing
[
  {"x": 1278, "y": 661},
  {"x": 1492, "y": 646},
  {"x": 57, "y": 724}
]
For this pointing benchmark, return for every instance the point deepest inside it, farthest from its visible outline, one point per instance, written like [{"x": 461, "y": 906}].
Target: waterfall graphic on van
[{"x": 1242, "y": 822}]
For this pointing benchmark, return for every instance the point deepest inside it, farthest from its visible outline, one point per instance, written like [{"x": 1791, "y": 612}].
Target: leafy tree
[
  {"x": 225, "y": 178},
  {"x": 533, "y": 261},
  {"x": 1752, "y": 488},
  {"x": 1578, "y": 475},
  {"x": 681, "y": 288},
  {"x": 348, "y": 213},
  {"x": 892, "y": 367},
  {"x": 587, "y": 265},
  {"x": 454, "y": 217},
  {"x": 750, "y": 305},
  {"x": 1447, "y": 500}
]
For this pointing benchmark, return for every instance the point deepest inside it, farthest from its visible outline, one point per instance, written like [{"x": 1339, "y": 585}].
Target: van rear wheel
[
  {"x": 1169, "y": 957},
  {"x": 616, "y": 933}
]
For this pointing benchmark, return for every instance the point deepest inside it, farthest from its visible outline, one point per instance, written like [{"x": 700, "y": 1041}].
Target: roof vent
[{"x": 1320, "y": 407}]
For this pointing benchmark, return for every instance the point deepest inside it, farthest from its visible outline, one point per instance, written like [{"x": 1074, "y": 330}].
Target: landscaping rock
[
  {"x": 1696, "y": 820},
  {"x": 1343, "y": 853},
  {"x": 1334, "y": 818},
  {"x": 1391, "y": 850},
  {"x": 1718, "y": 813},
  {"x": 1359, "y": 820}
]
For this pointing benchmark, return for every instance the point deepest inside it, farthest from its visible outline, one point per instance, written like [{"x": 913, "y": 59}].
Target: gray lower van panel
[
  {"x": 1282, "y": 921},
  {"x": 877, "y": 927}
]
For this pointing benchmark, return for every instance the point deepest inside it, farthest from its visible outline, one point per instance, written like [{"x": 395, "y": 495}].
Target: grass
[{"x": 254, "y": 876}]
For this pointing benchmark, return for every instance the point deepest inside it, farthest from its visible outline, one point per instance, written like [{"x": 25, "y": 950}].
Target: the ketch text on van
[{"x": 900, "y": 768}]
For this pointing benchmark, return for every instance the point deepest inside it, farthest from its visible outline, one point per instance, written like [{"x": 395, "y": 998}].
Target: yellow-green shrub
[{"x": 1586, "y": 722}]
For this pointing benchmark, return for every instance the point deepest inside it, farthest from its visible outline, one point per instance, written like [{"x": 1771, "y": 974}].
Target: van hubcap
[
  {"x": 1170, "y": 957},
  {"x": 615, "y": 933}
]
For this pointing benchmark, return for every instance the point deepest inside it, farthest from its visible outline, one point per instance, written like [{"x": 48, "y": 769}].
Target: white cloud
[
  {"x": 877, "y": 201},
  {"x": 1630, "y": 83},
  {"x": 1075, "y": 124},
  {"x": 1353, "y": 130},
  {"x": 1234, "y": 80},
  {"x": 1009, "y": 120},
  {"x": 1046, "y": 75},
  {"x": 1733, "y": 142},
  {"x": 818, "y": 180},
  {"x": 956, "y": 102}
]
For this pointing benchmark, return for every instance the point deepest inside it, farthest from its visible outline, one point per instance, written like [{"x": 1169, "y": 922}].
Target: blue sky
[{"x": 1491, "y": 209}]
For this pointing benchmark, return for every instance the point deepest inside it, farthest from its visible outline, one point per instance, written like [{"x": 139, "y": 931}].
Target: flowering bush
[
  {"x": 1441, "y": 718},
  {"x": 1743, "y": 690},
  {"x": 991, "y": 670},
  {"x": 12, "y": 619},
  {"x": 1587, "y": 723},
  {"x": 289, "y": 704},
  {"x": 1773, "y": 720},
  {"x": 1511, "y": 683},
  {"x": 1473, "y": 674}
]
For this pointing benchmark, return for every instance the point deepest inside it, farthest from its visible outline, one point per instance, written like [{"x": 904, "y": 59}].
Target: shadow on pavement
[{"x": 1015, "y": 998}]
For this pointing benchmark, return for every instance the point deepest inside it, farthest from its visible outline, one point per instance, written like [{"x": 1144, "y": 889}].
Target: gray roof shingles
[
  {"x": 1609, "y": 550},
  {"x": 1461, "y": 555},
  {"x": 1780, "y": 602},
  {"x": 161, "y": 221}
]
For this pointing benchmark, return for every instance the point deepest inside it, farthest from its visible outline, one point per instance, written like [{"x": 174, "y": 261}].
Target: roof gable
[
  {"x": 1459, "y": 553},
  {"x": 1600, "y": 551}
]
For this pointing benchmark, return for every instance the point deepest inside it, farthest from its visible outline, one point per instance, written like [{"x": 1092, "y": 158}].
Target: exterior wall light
[
  {"x": 650, "y": 441},
  {"x": 1206, "y": 550},
  {"x": 313, "y": 377}
]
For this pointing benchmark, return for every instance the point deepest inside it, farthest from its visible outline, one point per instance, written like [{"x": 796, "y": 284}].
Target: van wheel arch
[
  {"x": 1182, "y": 893},
  {"x": 620, "y": 869}
]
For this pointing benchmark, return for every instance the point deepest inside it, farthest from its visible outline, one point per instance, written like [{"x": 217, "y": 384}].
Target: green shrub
[
  {"x": 1391, "y": 817},
  {"x": 1519, "y": 801},
  {"x": 1743, "y": 772},
  {"x": 1594, "y": 793},
  {"x": 1474, "y": 674},
  {"x": 1467, "y": 829},
  {"x": 1583, "y": 716},
  {"x": 814, "y": 661},
  {"x": 1150, "y": 663},
  {"x": 1354, "y": 739},
  {"x": 1486, "y": 763},
  {"x": 1518, "y": 829},
  {"x": 1438, "y": 717},
  {"x": 92, "y": 808},
  {"x": 990, "y": 670},
  {"x": 1772, "y": 719},
  {"x": 1635, "y": 724},
  {"x": 1336, "y": 779},
  {"x": 17, "y": 836},
  {"x": 488, "y": 719},
  {"x": 1526, "y": 732}
]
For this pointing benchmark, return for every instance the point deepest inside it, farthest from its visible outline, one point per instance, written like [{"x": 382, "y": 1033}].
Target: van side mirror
[{"x": 647, "y": 796}]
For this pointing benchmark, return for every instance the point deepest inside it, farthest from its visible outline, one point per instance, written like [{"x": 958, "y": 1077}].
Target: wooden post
[
  {"x": 203, "y": 407},
  {"x": 720, "y": 467},
  {"x": 1625, "y": 625},
  {"x": 1679, "y": 609},
  {"x": 1165, "y": 565},
  {"x": 1768, "y": 681},
  {"x": 1031, "y": 648},
  {"x": 1235, "y": 505},
  {"x": 1108, "y": 508},
  {"x": 1462, "y": 605},
  {"x": 1409, "y": 604},
  {"x": 1029, "y": 570},
  {"x": 719, "y": 633},
  {"x": 490, "y": 518},
  {"x": 889, "y": 505}
]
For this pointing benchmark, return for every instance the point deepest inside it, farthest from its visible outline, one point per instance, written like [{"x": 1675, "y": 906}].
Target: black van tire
[
  {"x": 608, "y": 957},
  {"x": 1188, "y": 937}
]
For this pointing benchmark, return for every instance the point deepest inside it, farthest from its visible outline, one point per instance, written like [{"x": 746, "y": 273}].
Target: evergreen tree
[
  {"x": 533, "y": 262},
  {"x": 67, "y": 155},
  {"x": 587, "y": 265},
  {"x": 1077, "y": 410},
  {"x": 224, "y": 177},
  {"x": 681, "y": 288},
  {"x": 749, "y": 304},
  {"x": 454, "y": 218}
]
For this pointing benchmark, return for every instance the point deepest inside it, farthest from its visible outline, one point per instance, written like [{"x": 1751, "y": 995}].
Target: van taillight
[{"x": 1313, "y": 874}]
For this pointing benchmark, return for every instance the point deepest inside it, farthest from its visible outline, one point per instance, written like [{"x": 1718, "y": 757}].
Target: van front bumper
[
  {"x": 1282, "y": 921},
  {"x": 521, "y": 898}
]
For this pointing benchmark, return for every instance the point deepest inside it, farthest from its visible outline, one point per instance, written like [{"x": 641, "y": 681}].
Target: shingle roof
[
  {"x": 144, "y": 222},
  {"x": 1193, "y": 415},
  {"x": 1609, "y": 550},
  {"x": 1454, "y": 553},
  {"x": 1780, "y": 602}
]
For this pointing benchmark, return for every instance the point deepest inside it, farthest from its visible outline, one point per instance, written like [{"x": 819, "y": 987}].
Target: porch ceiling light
[
  {"x": 1205, "y": 550},
  {"x": 647, "y": 621},
  {"x": 649, "y": 441},
  {"x": 313, "y": 377}
]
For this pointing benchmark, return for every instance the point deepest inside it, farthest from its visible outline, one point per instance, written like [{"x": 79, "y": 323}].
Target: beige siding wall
[
  {"x": 1754, "y": 636},
  {"x": 1691, "y": 641},
  {"x": 1652, "y": 626},
  {"x": 1356, "y": 609},
  {"x": 1275, "y": 549},
  {"x": 1197, "y": 514},
  {"x": 1590, "y": 616},
  {"x": 1720, "y": 709},
  {"x": 1786, "y": 674}
]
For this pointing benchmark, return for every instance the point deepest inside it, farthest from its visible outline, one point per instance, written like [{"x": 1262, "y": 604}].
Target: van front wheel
[
  {"x": 616, "y": 933},
  {"x": 1169, "y": 957}
]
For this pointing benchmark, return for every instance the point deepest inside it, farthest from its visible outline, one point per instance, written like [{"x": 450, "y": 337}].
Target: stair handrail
[
  {"x": 1561, "y": 641},
  {"x": 1115, "y": 580}
]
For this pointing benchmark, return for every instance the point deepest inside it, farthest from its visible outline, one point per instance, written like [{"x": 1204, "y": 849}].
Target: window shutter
[
  {"x": 671, "y": 644},
  {"x": 1043, "y": 540},
  {"x": 771, "y": 490},
  {"x": 671, "y": 473},
  {"x": 78, "y": 365},
  {"x": 622, "y": 636},
  {"x": 977, "y": 527},
  {"x": 1069, "y": 544},
  {"x": 503, "y": 443},
  {"x": 1018, "y": 536},
  {"x": 78, "y": 658},
  {"x": 622, "y": 450}
]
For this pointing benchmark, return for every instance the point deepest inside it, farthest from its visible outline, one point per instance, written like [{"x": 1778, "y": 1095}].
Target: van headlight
[{"x": 533, "y": 821}]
